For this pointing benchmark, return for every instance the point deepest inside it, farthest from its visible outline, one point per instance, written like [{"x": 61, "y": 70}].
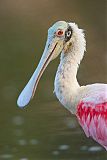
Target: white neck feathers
[{"x": 66, "y": 85}]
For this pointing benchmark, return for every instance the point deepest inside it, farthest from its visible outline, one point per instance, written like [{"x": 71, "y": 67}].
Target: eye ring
[{"x": 59, "y": 33}]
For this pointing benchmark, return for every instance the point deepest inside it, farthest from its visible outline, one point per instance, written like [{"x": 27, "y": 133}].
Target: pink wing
[{"x": 92, "y": 117}]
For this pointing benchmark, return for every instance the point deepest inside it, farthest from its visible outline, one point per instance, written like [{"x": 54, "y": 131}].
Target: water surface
[{"x": 45, "y": 130}]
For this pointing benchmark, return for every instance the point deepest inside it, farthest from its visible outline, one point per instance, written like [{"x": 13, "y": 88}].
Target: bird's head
[
  {"x": 62, "y": 37},
  {"x": 58, "y": 36}
]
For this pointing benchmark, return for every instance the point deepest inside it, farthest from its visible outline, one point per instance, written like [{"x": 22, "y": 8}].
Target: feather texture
[{"x": 93, "y": 119}]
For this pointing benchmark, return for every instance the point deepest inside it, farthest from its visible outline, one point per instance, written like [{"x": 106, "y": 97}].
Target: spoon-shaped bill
[{"x": 27, "y": 93}]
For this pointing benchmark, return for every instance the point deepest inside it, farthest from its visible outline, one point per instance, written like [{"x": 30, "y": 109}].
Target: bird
[{"x": 89, "y": 102}]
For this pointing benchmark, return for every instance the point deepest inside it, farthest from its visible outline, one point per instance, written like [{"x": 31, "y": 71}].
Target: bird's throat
[{"x": 66, "y": 85}]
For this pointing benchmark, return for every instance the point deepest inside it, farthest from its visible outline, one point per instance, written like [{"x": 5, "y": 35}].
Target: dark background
[{"x": 45, "y": 130}]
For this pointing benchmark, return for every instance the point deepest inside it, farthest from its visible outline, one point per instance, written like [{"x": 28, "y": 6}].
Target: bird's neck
[{"x": 66, "y": 84}]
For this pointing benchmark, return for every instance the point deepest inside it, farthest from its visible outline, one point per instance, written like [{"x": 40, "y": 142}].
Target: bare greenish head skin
[{"x": 58, "y": 25}]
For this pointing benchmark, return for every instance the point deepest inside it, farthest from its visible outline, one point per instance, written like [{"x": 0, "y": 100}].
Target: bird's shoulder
[
  {"x": 93, "y": 102},
  {"x": 94, "y": 93}
]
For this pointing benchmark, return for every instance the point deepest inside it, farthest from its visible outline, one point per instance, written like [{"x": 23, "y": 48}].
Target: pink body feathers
[{"x": 93, "y": 119}]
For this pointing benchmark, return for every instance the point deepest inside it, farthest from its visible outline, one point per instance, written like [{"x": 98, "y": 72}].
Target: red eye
[{"x": 59, "y": 33}]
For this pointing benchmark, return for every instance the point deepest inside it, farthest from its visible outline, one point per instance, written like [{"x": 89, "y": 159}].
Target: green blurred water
[{"x": 45, "y": 130}]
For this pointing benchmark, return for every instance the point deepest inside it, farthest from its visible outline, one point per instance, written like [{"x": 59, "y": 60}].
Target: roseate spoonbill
[{"x": 88, "y": 103}]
